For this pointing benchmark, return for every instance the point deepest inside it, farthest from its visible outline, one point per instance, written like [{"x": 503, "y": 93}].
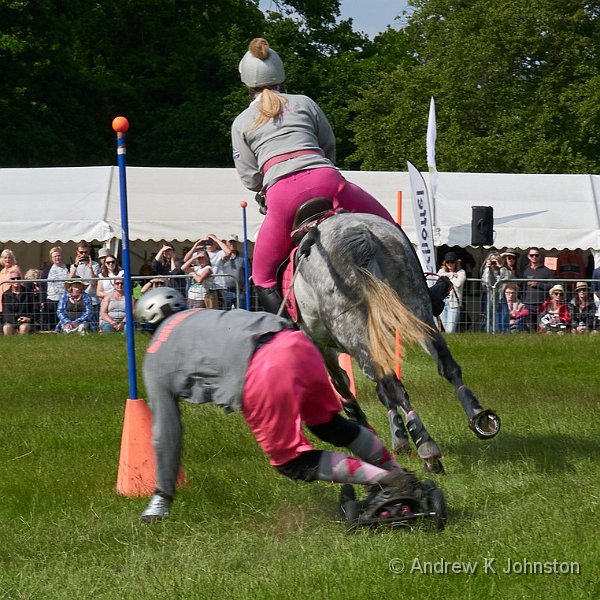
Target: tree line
[{"x": 516, "y": 83}]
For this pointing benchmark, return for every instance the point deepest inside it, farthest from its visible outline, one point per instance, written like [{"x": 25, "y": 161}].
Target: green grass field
[{"x": 526, "y": 501}]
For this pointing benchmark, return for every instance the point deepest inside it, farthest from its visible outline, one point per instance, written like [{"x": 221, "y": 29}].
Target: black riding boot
[
  {"x": 438, "y": 293},
  {"x": 270, "y": 299}
]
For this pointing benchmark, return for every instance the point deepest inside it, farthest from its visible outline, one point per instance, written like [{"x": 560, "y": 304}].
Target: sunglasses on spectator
[
  {"x": 557, "y": 293},
  {"x": 110, "y": 262},
  {"x": 533, "y": 255},
  {"x": 118, "y": 283}
]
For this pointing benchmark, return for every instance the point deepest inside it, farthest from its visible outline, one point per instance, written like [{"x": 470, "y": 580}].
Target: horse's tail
[{"x": 387, "y": 317}]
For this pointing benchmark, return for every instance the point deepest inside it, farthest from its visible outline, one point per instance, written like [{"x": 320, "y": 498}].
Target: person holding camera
[
  {"x": 215, "y": 249},
  {"x": 87, "y": 269},
  {"x": 492, "y": 296},
  {"x": 451, "y": 268},
  {"x": 583, "y": 309},
  {"x": 165, "y": 263}
]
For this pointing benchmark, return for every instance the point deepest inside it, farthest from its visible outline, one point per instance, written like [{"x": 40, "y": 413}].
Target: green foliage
[
  {"x": 511, "y": 82},
  {"x": 516, "y": 83},
  {"x": 241, "y": 530}
]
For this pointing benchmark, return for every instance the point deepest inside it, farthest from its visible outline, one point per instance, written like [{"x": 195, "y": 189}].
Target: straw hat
[
  {"x": 556, "y": 288},
  {"x": 75, "y": 281},
  {"x": 581, "y": 285}
]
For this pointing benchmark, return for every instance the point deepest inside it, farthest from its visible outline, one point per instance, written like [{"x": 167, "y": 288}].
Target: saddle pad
[{"x": 286, "y": 283}]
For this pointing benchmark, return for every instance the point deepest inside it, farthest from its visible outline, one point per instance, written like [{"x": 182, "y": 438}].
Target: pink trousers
[
  {"x": 285, "y": 197},
  {"x": 287, "y": 385}
]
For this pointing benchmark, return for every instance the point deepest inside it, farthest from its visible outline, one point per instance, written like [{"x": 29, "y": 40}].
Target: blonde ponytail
[{"x": 271, "y": 105}]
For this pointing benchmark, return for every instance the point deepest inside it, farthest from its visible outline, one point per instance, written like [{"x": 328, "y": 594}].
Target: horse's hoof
[
  {"x": 434, "y": 465},
  {"x": 429, "y": 450},
  {"x": 485, "y": 424},
  {"x": 403, "y": 447}
]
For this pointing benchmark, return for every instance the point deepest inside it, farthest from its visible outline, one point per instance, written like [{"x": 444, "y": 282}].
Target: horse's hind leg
[
  {"x": 393, "y": 394},
  {"x": 341, "y": 383},
  {"x": 483, "y": 422}
]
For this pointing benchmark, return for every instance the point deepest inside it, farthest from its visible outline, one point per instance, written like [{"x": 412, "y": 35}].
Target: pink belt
[{"x": 283, "y": 157}]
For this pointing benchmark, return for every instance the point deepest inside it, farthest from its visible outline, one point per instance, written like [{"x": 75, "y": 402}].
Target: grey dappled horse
[{"x": 348, "y": 263}]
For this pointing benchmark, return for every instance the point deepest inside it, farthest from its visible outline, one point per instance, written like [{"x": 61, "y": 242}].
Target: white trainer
[{"x": 157, "y": 509}]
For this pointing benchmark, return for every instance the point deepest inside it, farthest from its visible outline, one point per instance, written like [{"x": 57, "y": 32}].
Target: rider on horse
[{"x": 284, "y": 149}]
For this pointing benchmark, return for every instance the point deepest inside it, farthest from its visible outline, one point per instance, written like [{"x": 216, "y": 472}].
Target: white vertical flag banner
[
  {"x": 431, "y": 140},
  {"x": 422, "y": 217}
]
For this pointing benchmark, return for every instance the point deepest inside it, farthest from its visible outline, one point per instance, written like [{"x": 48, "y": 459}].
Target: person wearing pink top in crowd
[{"x": 554, "y": 315}]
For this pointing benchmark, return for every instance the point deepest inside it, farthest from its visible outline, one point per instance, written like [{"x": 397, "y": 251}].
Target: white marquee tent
[{"x": 41, "y": 207}]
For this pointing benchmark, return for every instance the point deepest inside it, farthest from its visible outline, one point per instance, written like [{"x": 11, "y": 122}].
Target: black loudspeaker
[{"x": 482, "y": 226}]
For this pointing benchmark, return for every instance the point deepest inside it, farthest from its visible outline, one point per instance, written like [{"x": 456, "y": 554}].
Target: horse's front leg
[
  {"x": 393, "y": 394},
  {"x": 484, "y": 423}
]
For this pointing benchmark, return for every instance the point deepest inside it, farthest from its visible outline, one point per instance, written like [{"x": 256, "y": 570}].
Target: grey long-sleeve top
[{"x": 302, "y": 126}]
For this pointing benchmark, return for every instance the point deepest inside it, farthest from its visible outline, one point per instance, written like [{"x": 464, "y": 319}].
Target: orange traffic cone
[{"x": 137, "y": 463}]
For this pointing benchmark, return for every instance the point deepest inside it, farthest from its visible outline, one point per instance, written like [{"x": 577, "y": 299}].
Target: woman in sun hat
[
  {"x": 583, "y": 309},
  {"x": 554, "y": 315},
  {"x": 74, "y": 310},
  {"x": 284, "y": 148},
  {"x": 509, "y": 260}
]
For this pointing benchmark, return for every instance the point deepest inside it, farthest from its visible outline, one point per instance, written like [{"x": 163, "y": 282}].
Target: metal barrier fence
[
  {"x": 482, "y": 309},
  {"x": 43, "y": 317}
]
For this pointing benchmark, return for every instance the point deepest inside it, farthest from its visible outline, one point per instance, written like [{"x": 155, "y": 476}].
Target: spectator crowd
[
  {"x": 87, "y": 295},
  {"x": 552, "y": 295}
]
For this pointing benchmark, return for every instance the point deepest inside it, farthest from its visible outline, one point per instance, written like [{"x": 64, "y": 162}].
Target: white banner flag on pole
[
  {"x": 422, "y": 217},
  {"x": 431, "y": 140}
]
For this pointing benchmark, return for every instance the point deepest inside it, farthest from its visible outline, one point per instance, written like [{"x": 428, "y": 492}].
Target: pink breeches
[
  {"x": 285, "y": 197},
  {"x": 287, "y": 385}
]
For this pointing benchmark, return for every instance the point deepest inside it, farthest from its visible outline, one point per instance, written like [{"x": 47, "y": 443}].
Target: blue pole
[
  {"x": 121, "y": 125},
  {"x": 244, "y": 204}
]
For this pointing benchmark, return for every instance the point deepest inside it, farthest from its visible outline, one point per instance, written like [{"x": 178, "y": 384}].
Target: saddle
[{"x": 307, "y": 217}]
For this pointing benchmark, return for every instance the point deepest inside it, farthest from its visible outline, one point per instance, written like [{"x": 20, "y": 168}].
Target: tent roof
[{"x": 75, "y": 203}]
